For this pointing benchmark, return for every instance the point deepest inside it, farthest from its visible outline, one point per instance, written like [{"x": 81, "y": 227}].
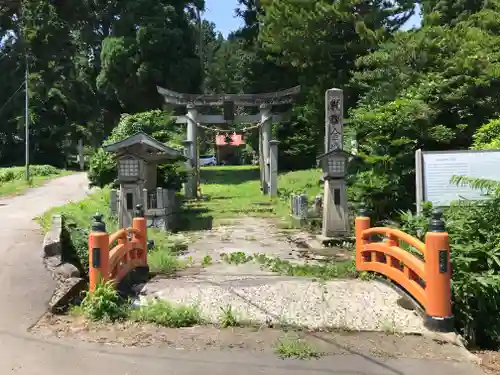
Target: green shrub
[
  {"x": 18, "y": 173},
  {"x": 488, "y": 136},
  {"x": 156, "y": 123},
  {"x": 172, "y": 176},
  {"x": 102, "y": 169},
  {"x": 103, "y": 303}
]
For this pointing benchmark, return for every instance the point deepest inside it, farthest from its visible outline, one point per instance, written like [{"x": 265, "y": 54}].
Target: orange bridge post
[
  {"x": 140, "y": 223},
  {"x": 427, "y": 280},
  {"x": 98, "y": 253},
  {"x": 438, "y": 276},
  {"x": 361, "y": 224}
]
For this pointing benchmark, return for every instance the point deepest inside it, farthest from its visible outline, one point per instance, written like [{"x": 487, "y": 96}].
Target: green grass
[
  {"x": 323, "y": 271},
  {"x": 105, "y": 304},
  {"x": 167, "y": 314},
  {"x": 78, "y": 220},
  {"x": 13, "y": 182},
  {"x": 232, "y": 191},
  {"x": 288, "y": 347}
]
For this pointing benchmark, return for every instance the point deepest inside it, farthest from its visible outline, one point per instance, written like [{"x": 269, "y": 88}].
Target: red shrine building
[{"x": 228, "y": 147}]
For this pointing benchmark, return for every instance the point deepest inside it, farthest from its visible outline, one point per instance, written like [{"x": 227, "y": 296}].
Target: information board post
[{"x": 419, "y": 193}]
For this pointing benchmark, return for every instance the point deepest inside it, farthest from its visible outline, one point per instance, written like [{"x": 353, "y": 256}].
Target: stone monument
[{"x": 334, "y": 165}]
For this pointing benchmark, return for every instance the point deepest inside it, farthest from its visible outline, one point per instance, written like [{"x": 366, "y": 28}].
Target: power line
[{"x": 12, "y": 96}]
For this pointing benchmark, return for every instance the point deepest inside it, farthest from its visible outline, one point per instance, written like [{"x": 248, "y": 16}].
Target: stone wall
[{"x": 70, "y": 284}]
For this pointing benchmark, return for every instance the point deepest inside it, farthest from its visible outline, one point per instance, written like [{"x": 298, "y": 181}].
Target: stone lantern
[
  {"x": 138, "y": 157},
  {"x": 334, "y": 164},
  {"x": 335, "y": 214}
]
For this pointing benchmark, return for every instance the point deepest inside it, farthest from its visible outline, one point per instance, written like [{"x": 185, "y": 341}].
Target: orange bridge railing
[
  {"x": 112, "y": 257},
  {"x": 425, "y": 276}
]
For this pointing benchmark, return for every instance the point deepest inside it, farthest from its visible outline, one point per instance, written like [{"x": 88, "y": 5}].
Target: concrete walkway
[{"x": 26, "y": 288}]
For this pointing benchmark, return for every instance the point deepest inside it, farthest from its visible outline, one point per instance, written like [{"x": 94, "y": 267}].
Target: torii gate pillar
[
  {"x": 192, "y": 138},
  {"x": 266, "y": 118}
]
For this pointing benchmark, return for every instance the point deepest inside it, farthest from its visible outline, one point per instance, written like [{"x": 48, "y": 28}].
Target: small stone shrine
[{"x": 138, "y": 157}]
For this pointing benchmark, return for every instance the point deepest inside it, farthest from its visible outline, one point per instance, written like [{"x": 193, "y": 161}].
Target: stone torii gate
[{"x": 268, "y": 148}]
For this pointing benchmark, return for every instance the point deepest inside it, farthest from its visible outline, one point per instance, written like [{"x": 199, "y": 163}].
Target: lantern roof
[
  {"x": 144, "y": 146},
  {"x": 337, "y": 151}
]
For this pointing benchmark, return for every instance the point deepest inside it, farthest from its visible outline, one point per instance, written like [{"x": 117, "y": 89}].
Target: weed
[
  {"x": 163, "y": 261},
  {"x": 366, "y": 276},
  {"x": 207, "y": 260},
  {"x": 237, "y": 257},
  {"x": 189, "y": 262},
  {"x": 167, "y": 314},
  {"x": 326, "y": 271},
  {"x": 228, "y": 318},
  {"x": 296, "y": 348},
  {"x": 103, "y": 303}
]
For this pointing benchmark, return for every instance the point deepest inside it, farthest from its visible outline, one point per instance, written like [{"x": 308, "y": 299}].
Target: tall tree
[
  {"x": 89, "y": 61},
  {"x": 450, "y": 12},
  {"x": 431, "y": 89}
]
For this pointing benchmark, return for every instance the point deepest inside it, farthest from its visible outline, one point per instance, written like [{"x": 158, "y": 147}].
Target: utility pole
[
  {"x": 26, "y": 120},
  {"x": 26, "y": 98}
]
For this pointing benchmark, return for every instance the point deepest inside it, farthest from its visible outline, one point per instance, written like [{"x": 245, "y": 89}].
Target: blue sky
[{"x": 221, "y": 12}]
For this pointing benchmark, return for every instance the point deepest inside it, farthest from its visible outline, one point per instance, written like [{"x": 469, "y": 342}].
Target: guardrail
[
  {"x": 427, "y": 277},
  {"x": 112, "y": 257}
]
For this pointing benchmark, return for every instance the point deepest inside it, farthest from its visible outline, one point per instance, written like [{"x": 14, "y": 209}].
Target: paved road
[{"x": 26, "y": 287}]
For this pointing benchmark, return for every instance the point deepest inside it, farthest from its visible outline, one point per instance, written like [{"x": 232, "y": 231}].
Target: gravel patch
[
  {"x": 345, "y": 304},
  {"x": 262, "y": 297}
]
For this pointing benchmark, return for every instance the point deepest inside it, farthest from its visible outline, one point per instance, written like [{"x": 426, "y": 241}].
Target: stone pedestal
[{"x": 335, "y": 215}]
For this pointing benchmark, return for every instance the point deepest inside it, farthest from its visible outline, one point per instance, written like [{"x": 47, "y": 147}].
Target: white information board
[{"x": 436, "y": 168}]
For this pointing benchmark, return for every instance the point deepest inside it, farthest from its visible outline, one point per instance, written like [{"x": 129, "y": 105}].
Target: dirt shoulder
[
  {"x": 260, "y": 339},
  {"x": 490, "y": 361}
]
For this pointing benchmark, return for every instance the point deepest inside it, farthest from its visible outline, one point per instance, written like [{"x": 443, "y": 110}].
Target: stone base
[
  {"x": 164, "y": 222},
  {"x": 335, "y": 241},
  {"x": 67, "y": 293}
]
